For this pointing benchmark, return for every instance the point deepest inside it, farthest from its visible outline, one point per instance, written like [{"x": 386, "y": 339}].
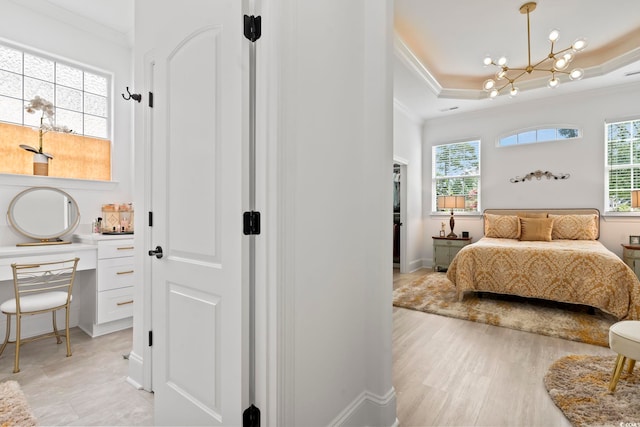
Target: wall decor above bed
[{"x": 538, "y": 175}]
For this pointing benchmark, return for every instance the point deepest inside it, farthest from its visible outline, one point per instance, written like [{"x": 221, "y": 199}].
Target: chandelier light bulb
[
  {"x": 553, "y": 82},
  {"x": 500, "y": 74},
  {"x": 493, "y": 93},
  {"x": 579, "y": 44},
  {"x": 487, "y": 60},
  {"x": 568, "y": 57},
  {"x": 488, "y": 84},
  {"x": 513, "y": 92},
  {"x": 554, "y": 35},
  {"x": 502, "y": 61},
  {"x": 560, "y": 64},
  {"x": 576, "y": 74}
]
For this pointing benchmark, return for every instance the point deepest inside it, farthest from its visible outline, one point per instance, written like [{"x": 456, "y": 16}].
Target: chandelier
[{"x": 554, "y": 62}]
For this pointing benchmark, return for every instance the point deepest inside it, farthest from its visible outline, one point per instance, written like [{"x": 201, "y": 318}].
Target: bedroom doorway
[{"x": 399, "y": 215}]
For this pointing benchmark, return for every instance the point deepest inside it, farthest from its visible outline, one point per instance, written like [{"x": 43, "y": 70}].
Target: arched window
[{"x": 540, "y": 134}]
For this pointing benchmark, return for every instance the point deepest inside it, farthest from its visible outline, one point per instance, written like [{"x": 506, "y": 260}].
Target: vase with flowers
[{"x": 40, "y": 158}]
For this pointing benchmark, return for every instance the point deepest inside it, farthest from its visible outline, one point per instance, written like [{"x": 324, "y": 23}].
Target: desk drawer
[
  {"x": 115, "y": 249},
  {"x": 115, "y": 273},
  {"x": 115, "y": 304}
]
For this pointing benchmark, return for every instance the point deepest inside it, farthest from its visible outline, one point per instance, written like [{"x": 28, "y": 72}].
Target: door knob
[{"x": 157, "y": 252}]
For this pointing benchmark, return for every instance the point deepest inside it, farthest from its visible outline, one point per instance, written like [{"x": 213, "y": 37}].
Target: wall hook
[{"x": 134, "y": 96}]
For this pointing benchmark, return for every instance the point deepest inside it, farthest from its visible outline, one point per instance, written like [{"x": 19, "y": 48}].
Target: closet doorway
[{"x": 399, "y": 216}]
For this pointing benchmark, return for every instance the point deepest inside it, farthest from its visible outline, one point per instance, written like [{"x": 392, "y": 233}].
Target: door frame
[{"x": 403, "y": 212}]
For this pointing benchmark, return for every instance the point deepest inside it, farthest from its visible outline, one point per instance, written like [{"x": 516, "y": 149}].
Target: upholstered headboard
[{"x": 523, "y": 212}]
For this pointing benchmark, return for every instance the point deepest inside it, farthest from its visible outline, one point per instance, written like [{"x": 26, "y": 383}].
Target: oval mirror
[{"x": 44, "y": 214}]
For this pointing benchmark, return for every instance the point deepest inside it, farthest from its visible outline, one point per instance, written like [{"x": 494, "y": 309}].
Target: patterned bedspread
[{"x": 572, "y": 271}]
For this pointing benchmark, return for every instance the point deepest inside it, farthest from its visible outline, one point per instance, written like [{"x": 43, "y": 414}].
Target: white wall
[
  {"x": 407, "y": 145},
  {"x": 24, "y": 24},
  {"x": 583, "y": 159},
  {"x": 337, "y": 155}
]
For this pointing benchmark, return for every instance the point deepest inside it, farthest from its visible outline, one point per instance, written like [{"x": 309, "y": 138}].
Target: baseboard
[
  {"x": 136, "y": 371},
  {"x": 415, "y": 265},
  {"x": 94, "y": 330},
  {"x": 369, "y": 409}
]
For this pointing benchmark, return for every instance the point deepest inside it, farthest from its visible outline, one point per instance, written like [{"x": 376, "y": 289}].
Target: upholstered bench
[{"x": 624, "y": 339}]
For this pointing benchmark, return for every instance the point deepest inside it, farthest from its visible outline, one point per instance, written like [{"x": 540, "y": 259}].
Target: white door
[{"x": 197, "y": 213}]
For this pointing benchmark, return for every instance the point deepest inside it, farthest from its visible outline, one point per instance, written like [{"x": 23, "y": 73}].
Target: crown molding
[
  {"x": 407, "y": 111},
  {"x": 82, "y": 23},
  {"x": 412, "y": 62}
]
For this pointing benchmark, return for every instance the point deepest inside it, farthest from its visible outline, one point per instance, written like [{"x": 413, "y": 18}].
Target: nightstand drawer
[{"x": 444, "y": 250}]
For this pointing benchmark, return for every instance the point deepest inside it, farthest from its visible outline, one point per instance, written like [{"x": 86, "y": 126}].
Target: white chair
[
  {"x": 624, "y": 339},
  {"x": 39, "y": 288}
]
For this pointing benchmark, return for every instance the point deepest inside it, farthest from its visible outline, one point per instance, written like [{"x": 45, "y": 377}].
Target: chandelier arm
[
  {"x": 505, "y": 85},
  {"x": 540, "y": 62},
  {"x": 518, "y": 76},
  {"x": 562, "y": 51}
]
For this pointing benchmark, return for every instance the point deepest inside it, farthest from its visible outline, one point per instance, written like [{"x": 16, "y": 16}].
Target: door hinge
[
  {"x": 151, "y": 99},
  {"x": 150, "y": 219},
  {"x": 251, "y": 417},
  {"x": 150, "y": 338},
  {"x": 251, "y": 221},
  {"x": 252, "y": 27}
]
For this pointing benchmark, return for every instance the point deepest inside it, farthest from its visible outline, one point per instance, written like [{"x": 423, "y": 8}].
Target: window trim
[
  {"x": 434, "y": 207},
  {"x": 608, "y": 168},
  {"x": 538, "y": 128},
  {"x": 74, "y": 64}
]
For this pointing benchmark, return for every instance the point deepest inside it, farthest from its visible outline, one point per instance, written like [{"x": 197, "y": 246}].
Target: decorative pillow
[
  {"x": 575, "y": 227},
  {"x": 501, "y": 226},
  {"x": 532, "y": 229},
  {"x": 532, "y": 214}
]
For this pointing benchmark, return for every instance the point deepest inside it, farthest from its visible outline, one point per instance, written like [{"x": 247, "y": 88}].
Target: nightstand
[
  {"x": 445, "y": 249},
  {"x": 631, "y": 257}
]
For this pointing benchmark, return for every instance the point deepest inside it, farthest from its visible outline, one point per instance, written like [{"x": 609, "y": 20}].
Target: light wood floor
[
  {"x": 88, "y": 388},
  {"x": 446, "y": 372},
  {"x": 450, "y": 372}
]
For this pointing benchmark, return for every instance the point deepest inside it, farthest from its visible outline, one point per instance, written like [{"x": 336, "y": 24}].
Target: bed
[{"x": 551, "y": 254}]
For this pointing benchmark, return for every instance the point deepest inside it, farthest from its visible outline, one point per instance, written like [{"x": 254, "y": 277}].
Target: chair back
[{"x": 37, "y": 278}]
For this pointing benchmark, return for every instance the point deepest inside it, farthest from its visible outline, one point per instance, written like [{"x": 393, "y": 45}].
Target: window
[
  {"x": 623, "y": 164},
  {"x": 456, "y": 172},
  {"x": 542, "y": 134},
  {"x": 81, "y": 99}
]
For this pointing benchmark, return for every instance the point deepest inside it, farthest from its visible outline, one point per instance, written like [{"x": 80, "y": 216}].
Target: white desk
[
  {"x": 29, "y": 254},
  {"x": 85, "y": 306}
]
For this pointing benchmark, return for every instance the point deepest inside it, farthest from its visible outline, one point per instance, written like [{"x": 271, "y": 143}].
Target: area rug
[
  {"x": 14, "y": 409},
  {"x": 579, "y": 386},
  {"x": 434, "y": 293}
]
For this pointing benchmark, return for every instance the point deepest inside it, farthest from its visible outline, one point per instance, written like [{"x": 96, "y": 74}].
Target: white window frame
[
  {"x": 68, "y": 63},
  {"x": 476, "y": 174},
  {"x": 621, "y": 206},
  {"x": 517, "y": 133}
]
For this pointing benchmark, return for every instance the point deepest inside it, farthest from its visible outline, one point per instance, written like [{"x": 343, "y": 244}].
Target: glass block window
[
  {"x": 541, "y": 134},
  {"x": 80, "y": 96},
  {"x": 456, "y": 172},
  {"x": 622, "y": 167}
]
